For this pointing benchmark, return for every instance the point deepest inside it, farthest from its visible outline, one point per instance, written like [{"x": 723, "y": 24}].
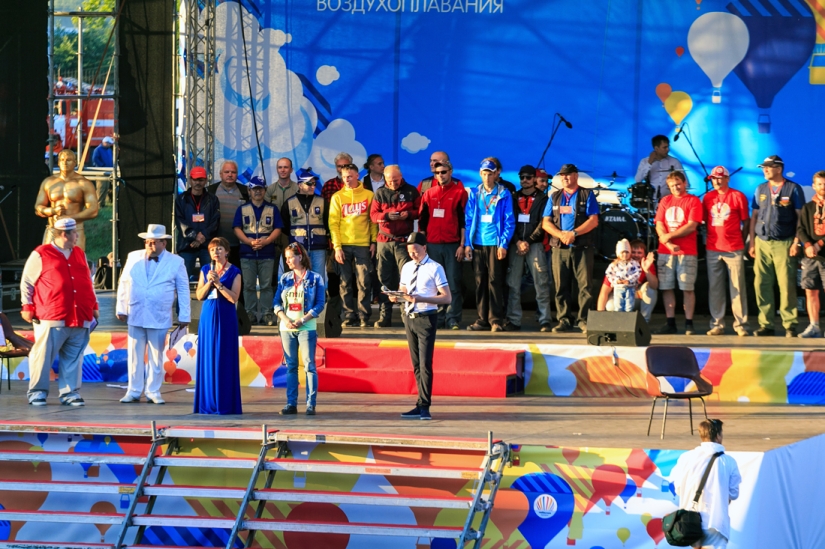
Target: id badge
[
  {"x": 198, "y": 218},
  {"x": 566, "y": 209},
  {"x": 487, "y": 218},
  {"x": 524, "y": 218},
  {"x": 438, "y": 212},
  {"x": 294, "y": 306}
]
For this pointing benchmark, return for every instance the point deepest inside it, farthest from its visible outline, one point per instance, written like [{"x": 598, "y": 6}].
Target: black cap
[
  {"x": 528, "y": 170},
  {"x": 417, "y": 238},
  {"x": 772, "y": 161},
  {"x": 568, "y": 168}
]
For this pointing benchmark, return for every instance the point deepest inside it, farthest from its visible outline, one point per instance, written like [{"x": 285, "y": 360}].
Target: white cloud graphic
[
  {"x": 414, "y": 142},
  {"x": 326, "y": 75},
  {"x": 339, "y": 136},
  {"x": 284, "y": 119}
]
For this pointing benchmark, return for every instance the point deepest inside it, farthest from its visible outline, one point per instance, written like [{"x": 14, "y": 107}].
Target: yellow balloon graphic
[
  {"x": 646, "y": 518},
  {"x": 624, "y": 535},
  {"x": 678, "y": 105}
]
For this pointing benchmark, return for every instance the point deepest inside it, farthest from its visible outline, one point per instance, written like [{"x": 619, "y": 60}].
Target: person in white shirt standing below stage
[
  {"x": 721, "y": 488},
  {"x": 657, "y": 165},
  {"x": 145, "y": 296},
  {"x": 426, "y": 287}
]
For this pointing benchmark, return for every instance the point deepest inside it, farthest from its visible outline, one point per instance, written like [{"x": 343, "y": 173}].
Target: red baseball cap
[
  {"x": 541, "y": 173},
  {"x": 719, "y": 172},
  {"x": 198, "y": 173}
]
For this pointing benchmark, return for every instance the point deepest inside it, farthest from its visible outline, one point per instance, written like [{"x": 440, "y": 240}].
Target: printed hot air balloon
[
  {"x": 550, "y": 501},
  {"x": 779, "y": 47},
  {"x": 817, "y": 66},
  {"x": 718, "y": 41}
]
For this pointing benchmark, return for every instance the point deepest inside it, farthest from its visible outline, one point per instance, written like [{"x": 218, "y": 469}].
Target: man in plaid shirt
[{"x": 336, "y": 184}]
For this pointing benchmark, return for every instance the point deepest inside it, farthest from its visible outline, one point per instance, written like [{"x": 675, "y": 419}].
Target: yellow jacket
[{"x": 349, "y": 218}]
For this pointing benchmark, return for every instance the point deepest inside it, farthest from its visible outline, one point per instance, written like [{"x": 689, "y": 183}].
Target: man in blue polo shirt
[
  {"x": 490, "y": 225},
  {"x": 258, "y": 225},
  {"x": 570, "y": 218}
]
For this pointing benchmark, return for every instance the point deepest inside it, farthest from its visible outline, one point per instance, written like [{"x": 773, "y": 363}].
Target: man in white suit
[{"x": 144, "y": 300}]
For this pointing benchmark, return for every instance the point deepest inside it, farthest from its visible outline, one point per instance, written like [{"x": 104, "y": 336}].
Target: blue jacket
[
  {"x": 503, "y": 217},
  {"x": 102, "y": 157},
  {"x": 314, "y": 292}
]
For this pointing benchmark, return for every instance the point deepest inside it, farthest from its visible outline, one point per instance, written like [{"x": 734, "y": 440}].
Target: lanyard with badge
[
  {"x": 198, "y": 217},
  {"x": 566, "y": 208},
  {"x": 488, "y": 200},
  {"x": 438, "y": 211},
  {"x": 525, "y": 203},
  {"x": 295, "y": 305}
]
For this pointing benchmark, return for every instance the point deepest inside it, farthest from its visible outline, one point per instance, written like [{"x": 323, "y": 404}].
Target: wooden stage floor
[
  {"x": 594, "y": 422},
  {"x": 536, "y": 420}
]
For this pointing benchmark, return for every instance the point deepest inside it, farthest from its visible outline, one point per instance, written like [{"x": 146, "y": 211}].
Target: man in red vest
[{"x": 59, "y": 299}]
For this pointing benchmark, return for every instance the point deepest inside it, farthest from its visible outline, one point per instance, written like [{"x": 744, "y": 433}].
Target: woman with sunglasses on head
[
  {"x": 218, "y": 381},
  {"x": 299, "y": 301}
]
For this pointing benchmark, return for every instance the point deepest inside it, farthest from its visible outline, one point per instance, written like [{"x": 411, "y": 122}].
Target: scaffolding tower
[
  {"x": 199, "y": 95},
  {"x": 93, "y": 174}
]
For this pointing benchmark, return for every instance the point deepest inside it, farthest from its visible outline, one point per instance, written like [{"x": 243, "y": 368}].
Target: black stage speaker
[
  {"x": 619, "y": 329},
  {"x": 244, "y": 325},
  {"x": 329, "y": 323}
]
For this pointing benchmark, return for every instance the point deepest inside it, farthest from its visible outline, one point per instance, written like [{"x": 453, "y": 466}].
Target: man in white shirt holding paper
[
  {"x": 145, "y": 297},
  {"x": 721, "y": 488},
  {"x": 655, "y": 167}
]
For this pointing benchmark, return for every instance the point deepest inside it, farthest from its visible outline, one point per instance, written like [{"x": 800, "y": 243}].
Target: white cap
[
  {"x": 65, "y": 224},
  {"x": 622, "y": 245},
  {"x": 155, "y": 232},
  {"x": 108, "y": 140}
]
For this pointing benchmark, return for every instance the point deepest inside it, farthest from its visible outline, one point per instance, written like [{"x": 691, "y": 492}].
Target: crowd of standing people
[{"x": 275, "y": 247}]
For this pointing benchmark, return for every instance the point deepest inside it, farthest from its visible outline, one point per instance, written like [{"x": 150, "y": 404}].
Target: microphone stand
[
  {"x": 552, "y": 136},
  {"x": 707, "y": 175}
]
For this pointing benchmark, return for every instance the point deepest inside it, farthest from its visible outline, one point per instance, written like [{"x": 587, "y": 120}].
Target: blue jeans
[
  {"x": 293, "y": 342},
  {"x": 624, "y": 298},
  {"x": 190, "y": 255}
]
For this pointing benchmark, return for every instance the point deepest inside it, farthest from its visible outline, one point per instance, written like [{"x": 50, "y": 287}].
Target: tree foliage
[{"x": 96, "y": 32}]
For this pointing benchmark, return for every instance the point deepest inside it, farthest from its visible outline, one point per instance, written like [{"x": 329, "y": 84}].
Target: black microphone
[
  {"x": 563, "y": 119},
  {"x": 214, "y": 265},
  {"x": 678, "y": 133}
]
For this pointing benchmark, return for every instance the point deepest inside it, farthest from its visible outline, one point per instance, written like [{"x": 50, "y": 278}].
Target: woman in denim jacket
[{"x": 298, "y": 303}]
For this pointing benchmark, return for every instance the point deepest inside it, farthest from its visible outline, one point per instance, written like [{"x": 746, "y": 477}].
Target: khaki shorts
[{"x": 677, "y": 267}]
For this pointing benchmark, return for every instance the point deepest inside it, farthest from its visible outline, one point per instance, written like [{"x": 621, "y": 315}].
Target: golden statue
[{"x": 67, "y": 194}]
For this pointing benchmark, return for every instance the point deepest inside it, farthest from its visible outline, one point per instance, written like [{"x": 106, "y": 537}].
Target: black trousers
[
  {"x": 391, "y": 258},
  {"x": 491, "y": 284},
  {"x": 570, "y": 263},
  {"x": 421, "y": 340}
]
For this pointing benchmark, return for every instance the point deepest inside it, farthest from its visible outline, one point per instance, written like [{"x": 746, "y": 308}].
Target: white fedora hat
[{"x": 155, "y": 232}]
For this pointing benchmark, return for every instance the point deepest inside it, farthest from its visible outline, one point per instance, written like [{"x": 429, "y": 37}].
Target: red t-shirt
[
  {"x": 724, "y": 215},
  {"x": 676, "y": 213}
]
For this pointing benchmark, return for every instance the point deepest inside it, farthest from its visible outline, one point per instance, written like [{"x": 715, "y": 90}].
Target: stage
[{"x": 531, "y": 420}]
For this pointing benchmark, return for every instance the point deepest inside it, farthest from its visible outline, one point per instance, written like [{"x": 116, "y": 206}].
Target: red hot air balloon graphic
[{"x": 780, "y": 45}]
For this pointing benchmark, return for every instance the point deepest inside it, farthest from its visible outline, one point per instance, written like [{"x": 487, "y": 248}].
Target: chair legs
[
  {"x": 704, "y": 408},
  {"x": 664, "y": 418},
  {"x": 690, "y": 411},
  {"x": 650, "y": 421}
]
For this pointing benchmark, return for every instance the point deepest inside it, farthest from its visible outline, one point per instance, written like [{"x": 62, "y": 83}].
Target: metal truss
[{"x": 199, "y": 96}]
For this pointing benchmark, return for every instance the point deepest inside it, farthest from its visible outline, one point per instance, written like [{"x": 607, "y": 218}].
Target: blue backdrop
[{"x": 476, "y": 78}]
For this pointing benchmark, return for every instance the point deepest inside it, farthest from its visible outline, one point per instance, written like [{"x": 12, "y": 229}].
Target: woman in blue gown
[{"x": 218, "y": 381}]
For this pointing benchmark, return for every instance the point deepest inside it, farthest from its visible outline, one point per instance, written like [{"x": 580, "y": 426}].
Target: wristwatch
[{"x": 575, "y": 234}]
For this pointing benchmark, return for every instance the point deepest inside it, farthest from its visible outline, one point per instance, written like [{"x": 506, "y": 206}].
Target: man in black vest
[
  {"x": 570, "y": 218},
  {"x": 306, "y": 221}
]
